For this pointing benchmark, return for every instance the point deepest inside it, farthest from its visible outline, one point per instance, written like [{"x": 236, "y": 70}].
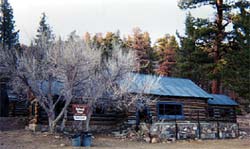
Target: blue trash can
[
  {"x": 76, "y": 140},
  {"x": 86, "y": 139}
]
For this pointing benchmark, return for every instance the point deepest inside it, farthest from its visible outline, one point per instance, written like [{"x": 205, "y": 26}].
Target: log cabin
[
  {"x": 181, "y": 99},
  {"x": 174, "y": 100},
  {"x": 180, "y": 108}
]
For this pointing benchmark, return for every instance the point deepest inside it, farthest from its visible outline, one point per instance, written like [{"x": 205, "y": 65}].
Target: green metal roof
[
  {"x": 165, "y": 86},
  {"x": 219, "y": 99}
]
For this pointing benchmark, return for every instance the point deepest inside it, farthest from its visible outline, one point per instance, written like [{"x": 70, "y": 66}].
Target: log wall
[
  {"x": 109, "y": 118},
  {"x": 193, "y": 108},
  {"x": 222, "y": 113}
]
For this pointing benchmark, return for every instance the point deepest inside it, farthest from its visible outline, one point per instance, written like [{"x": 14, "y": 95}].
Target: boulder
[
  {"x": 147, "y": 139},
  {"x": 154, "y": 140}
]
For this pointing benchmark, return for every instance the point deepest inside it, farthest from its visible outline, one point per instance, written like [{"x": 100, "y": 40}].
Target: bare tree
[
  {"x": 64, "y": 67},
  {"x": 76, "y": 65},
  {"x": 114, "y": 81},
  {"x": 71, "y": 69},
  {"x": 104, "y": 83}
]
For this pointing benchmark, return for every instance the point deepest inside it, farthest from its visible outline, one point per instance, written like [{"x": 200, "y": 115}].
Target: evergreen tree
[
  {"x": 140, "y": 42},
  {"x": 193, "y": 60},
  {"x": 216, "y": 46},
  {"x": 97, "y": 41},
  {"x": 8, "y": 36},
  {"x": 166, "y": 48},
  {"x": 237, "y": 72},
  {"x": 109, "y": 42},
  {"x": 44, "y": 37}
]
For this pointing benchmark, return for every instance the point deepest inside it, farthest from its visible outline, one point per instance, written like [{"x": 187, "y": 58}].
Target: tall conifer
[{"x": 8, "y": 36}]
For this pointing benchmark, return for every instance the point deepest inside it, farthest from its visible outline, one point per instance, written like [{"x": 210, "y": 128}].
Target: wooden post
[
  {"x": 199, "y": 125},
  {"x": 176, "y": 130},
  {"x": 30, "y": 112},
  {"x": 36, "y": 118},
  {"x": 218, "y": 129},
  {"x": 176, "y": 126},
  {"x": 238, "y": 130}
]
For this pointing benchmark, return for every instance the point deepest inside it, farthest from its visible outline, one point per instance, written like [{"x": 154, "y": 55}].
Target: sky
[{"x": 158, "y": 17}]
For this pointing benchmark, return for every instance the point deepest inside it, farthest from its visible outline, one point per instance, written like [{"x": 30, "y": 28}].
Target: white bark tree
[
  {"x": 64, "y": 67},
  {"x": 71, "y": 69},
  {"x": 114, "y": 80},
  {"x": 104, "y": 83}
]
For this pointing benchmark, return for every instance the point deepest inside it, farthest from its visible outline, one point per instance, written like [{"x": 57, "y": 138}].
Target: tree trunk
[
  {"x": 52, "y": 125},
  {"x": 215, "y": 86},
  {"x": 88, "y": 119},
  {"x": 64, "y": 120},
  {"x": 217, "y": 46}
]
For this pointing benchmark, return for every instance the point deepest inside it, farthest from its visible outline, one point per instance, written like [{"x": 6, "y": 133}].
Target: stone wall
[
  {"x": 190, "y": 130},
  {"x": 228, "y": 130},
  {"x": 209, "y": 130},
  {"x": 163, "y": 130}
]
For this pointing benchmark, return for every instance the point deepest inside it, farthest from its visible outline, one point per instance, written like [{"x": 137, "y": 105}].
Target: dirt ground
[{"x": 23, "y": 139}]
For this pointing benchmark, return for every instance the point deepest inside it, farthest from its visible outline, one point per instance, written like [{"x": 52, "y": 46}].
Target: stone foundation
[
  {"x": 209, "y": 130},
  {"x": 228, "y": 130},
  {"x": 163, "y": 130},
  {"x": 189, "y": 130}
]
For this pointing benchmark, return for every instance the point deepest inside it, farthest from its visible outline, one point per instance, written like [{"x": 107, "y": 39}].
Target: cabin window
[{"x": 170, "y": 110}]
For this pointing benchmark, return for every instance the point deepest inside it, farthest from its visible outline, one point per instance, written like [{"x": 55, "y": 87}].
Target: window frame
[{"x": 179, "y": 116}]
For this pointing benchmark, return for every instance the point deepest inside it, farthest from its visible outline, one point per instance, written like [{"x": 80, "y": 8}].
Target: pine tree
[
  {"x": 166, "y": 48},
  {"x": 44, "y": 37},
  {"x": 217, "y": 38},
  {"x": 109, "y": 42},
  {"x": 140, "y": 42},
  {"x": 237, "y": 72},
  {"x": 192, "y": 57},
  {"x": 8, "y": 36},
  {"x": 97, "y": 41}
]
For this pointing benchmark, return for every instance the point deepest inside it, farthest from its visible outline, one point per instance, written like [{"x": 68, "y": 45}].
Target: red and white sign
[{"x": 80, "y": 112}]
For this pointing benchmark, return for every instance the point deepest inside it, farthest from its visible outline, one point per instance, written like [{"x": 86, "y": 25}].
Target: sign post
[{"x": 80, "y": 112}]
